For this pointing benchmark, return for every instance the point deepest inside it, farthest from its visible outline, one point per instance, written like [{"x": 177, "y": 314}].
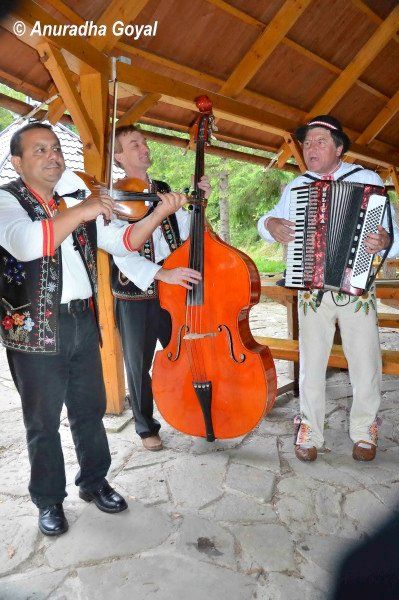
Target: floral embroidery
[
  {"x": 364, "y": 302},
  {"x": 18, "y": 319},
  {"x": 373, "y": 430},
  {"x": 28, "y": 325},
  {"x": 302, "y": 430},
  {"x": 307, "y": 300},
  {"x": 14, "y": 270},
  {"x": 7, "y": 323}
]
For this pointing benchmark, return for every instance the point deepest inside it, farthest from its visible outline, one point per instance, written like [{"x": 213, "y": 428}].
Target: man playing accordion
[{"x": 323, "y": 144}]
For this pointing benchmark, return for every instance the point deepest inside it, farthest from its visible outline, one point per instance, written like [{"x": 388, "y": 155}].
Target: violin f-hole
[{"x": 179, "y": 338}]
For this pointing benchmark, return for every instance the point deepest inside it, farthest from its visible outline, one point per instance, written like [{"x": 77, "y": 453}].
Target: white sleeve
[
  {"x": 280, "y": 211},
  {"x": 183, "y": 217},
  {"x": 111, "y": 237},
  {"x": 19, "y": 235},
  {"x": 394, "y": 251},
  {"x": 138, "y": 269}
]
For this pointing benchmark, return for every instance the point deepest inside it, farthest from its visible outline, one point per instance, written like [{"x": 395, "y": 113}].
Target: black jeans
[
  {"x": 141, "y": 323},
  {"x": 45, "y": 382}
]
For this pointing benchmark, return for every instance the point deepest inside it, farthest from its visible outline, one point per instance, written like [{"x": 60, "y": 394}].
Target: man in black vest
[
  {"x": 48, "y": 315},
  {"x": 141, "y": 321}
]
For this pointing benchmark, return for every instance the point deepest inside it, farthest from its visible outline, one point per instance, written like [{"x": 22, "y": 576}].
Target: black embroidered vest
[
  {"x": 31, "y": 291},
  {"x": 122, "y": 287}
]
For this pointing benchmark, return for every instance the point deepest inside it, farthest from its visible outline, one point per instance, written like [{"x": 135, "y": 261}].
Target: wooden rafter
[
  {"x": 82, "y": 56},
  {"x": 56, "y": 110},
  {"x": 371, "y": 14},
  {"x": 239, "y": 14},
  {"x": 117, "y": 10},
  {"x": 138, "y": 109},
  {"x": 358, "y": 64},
  {"x": 54, "y": 61},
  {"x": 395, "y": 179},
  {"x": 182, "y": 94},
  {"x": 62, "y": 8},
  {"x": 275, "y": 31},
  {"x": 349, "y": 75},
  {"x": 206, "y": 78},
  {"x": 380, "y": 121}
]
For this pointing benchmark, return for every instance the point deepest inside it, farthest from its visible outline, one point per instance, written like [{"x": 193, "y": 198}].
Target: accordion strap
[{"x": 344, "y": 176}]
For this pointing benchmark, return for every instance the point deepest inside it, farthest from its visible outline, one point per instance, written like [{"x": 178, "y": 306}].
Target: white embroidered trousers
[{"x": 357, "y": 320}]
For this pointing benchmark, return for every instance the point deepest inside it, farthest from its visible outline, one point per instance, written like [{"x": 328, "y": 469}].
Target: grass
[{"x": 267, "y": 257}]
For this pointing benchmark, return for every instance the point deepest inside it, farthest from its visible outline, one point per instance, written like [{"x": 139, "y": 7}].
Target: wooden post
[
  {"x": 293, "y": 334},
  {"x": 94, "y": 93}
]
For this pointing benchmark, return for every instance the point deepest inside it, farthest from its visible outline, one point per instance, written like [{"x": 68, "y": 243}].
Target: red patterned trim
[
  {"x": 323, "y": 124},
  {"x": 126, "y": 238},
  {"x": 48, "y": 237}
]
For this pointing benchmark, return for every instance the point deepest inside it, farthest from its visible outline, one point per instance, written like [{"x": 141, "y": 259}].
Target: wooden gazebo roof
[{"x": 268, "y": 65}]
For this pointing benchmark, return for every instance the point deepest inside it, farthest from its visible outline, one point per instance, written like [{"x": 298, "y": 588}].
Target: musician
[
  {"x": 323, "y": 144},
  {"x": 141, "y": 321},
  {"x": 48, "y": 317}
]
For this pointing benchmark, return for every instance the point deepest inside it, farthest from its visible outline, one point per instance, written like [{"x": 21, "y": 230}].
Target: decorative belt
[{"x": 75, "y": 306}]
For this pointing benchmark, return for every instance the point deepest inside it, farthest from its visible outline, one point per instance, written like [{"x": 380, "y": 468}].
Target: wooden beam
[
  {"x": 22, "y": 86},
  {"x": 371, "y": 14},
  {"x": 21, "y": 108},
  {"x": 94, "y": 93},
  {"x": 181, "y": 94},
  {"x": 238, "y": 14},
  {"x": 275, "y": 31},
  {"x": 87, "y": 58},
  {"x": 62, "y": 8},
  {"x": 331, "y": 67},
  {"x": 54, "y": 61},
  {"x": 138, "y": 109},
  {"x": 380, "y": 121},
  {"x": 295, "y": 150},
  {"x": 358, "y": 64},
  {"x": 116, "y": 10},
  {"x": 55, "y": 110}
]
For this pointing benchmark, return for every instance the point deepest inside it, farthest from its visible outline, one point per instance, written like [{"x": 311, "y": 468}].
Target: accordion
[{"x": 332, "y": 219}]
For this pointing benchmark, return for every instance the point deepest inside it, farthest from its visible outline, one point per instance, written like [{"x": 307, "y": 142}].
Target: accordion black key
[{"x": 332, "y": 219}]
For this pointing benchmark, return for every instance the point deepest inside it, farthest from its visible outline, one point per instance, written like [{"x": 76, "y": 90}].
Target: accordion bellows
[{"x": 332, "y": 219}]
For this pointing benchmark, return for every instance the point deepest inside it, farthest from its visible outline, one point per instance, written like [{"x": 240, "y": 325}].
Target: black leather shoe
[
  {"x": 105, "y": 498},
  {"x": 52, "y": 520}
]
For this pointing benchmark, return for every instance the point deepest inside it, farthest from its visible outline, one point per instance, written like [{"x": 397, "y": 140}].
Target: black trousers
[
  {"x": 141, "y": 323},
  {"x": 45, "y": 383}
]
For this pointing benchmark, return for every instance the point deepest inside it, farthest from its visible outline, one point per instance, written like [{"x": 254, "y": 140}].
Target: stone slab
[
  {"x": 163, "y": 577},
  {"x": 17, "y": 540},
  {"x": 239, "y": 509},
  {"x": 259, "y": 452},
  {"x": 265, "y": 547},
  {"x": 35, "y": 585},
  {"x": 283, "y": 587},
  {"x": 257, "y": 483},
  {"x": 115, "y": 423},
  {"x": 98, "y": 536}
]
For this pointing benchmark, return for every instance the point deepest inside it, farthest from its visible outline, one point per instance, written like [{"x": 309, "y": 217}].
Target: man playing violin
[
  {"x": 140, "y": 319},
  {"x": 49, "y": 317}
]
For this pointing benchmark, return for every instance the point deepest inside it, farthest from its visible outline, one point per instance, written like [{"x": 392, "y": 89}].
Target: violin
[
  {"x": 132, "y": 200},
  {"x": 212, "y": 380}
]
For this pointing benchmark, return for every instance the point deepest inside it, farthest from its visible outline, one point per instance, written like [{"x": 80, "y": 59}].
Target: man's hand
[
  {"x": 171, "y": 202},
  {"x": 205, "y": 185},
  {"x": 281, "y": 230},
  {"x": 180, "y": 276},
  {"x": 375, "y": 242},
  {"x": 96, "y": 204}
]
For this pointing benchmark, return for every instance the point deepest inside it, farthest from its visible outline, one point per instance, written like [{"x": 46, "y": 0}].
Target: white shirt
[
  {"x": 142, "y": 271},
  {"x": 282, "y": 208},
  {"x": 23, "y": 238}
]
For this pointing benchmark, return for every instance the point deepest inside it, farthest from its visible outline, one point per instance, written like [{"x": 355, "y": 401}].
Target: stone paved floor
[{"x": 237, "y": 519}]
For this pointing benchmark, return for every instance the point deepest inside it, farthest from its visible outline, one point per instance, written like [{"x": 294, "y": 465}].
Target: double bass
[{"x": 212, "y": 380}]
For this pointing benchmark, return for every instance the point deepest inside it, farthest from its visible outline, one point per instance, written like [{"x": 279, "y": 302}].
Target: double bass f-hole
[
  {"x": 230, "y": 344},
  {"x": 179, "y": 338}
]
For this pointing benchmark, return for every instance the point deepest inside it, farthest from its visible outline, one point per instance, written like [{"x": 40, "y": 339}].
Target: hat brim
[{"x": 300, "y": 134}]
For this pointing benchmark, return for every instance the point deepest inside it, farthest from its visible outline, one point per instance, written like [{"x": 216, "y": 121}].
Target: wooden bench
[
  {"x": 284, "y": 349},
  {"x": 388, "y": 320}
]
